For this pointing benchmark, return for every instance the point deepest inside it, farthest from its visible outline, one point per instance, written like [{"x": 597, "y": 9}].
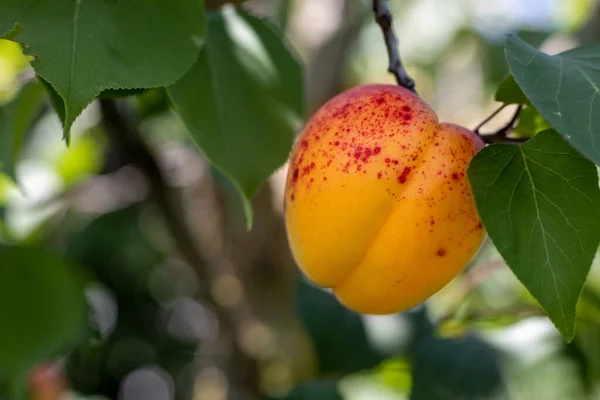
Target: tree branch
[
  {"x": 239, "y": 366},
  {"x": 501, "y": 135},
  {"x": 489, "y": 118},
  {"x": 132, "y": 146},
  {"x": 517, "y": 311},
  {"x": 383, "y": 17}
]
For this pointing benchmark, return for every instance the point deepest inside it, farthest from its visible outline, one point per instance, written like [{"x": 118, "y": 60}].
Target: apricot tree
[{"x": 384, "y": 203}]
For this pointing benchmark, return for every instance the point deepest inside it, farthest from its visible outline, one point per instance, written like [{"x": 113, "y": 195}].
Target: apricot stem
[
  {"x": 383, "y": 17},
  {"x": 501, "y": 135},
  {"x": 489, "y": 118}
]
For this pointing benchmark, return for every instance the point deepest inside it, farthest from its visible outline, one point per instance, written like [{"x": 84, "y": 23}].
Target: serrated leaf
[
  {"x": 85, "y": 47},
  {"x": 42, "y": 307},
  {"x": 509, "y": 92},
  {"x": 242, "y": 101},
  {"x": 16, "y": 119},
  {"x": 116, "y": 93},
  {"x": 153, "y": 102},
  {"x": 539, "y": 203},
  {"x": 564, "y": 88}
]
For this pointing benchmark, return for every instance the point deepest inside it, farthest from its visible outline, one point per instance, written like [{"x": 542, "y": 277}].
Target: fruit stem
[
  {"x": 501, "y": 135},
  {"x": 489, "y": 118},
  {"x": 383, "y": 17}
]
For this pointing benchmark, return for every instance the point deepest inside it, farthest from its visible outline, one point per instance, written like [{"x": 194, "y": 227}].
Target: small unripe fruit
[
  {"x": 47, "y": 382},
  {"x": 377, "y": 203}
]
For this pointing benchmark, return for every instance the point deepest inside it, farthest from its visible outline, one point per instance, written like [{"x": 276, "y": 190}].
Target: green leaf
[
  {"x": 313, "y": 390},
  {"x": 494, "y": 59},
  {"x": 242, "y": 101},
  {"x": 455, "y": 368},
  {"x": 42, "y": 307},
  {"x": 530, "y": 122},
  {"x": 321, "y": 316},
  {"x": 539, "y": 204},
  {"x": 564, "y": 88},
  {"x": 85, "y": 47},
  {"x": 16, "y": 118},
  {"x": 116, "y": 93},
  {"x": 509, "y": 92},
  {"x": 153, "y": 102}
]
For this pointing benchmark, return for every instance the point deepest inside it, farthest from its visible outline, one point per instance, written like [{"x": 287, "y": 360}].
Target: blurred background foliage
[{"x": 154, "y": 336}]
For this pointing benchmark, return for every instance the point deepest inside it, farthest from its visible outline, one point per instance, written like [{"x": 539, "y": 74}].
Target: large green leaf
[
  {"x": 83, "y": 47},
  {"x": 42, "y": 307},
  {"x": 565, "y": 89},
  {"x": 242, "y": 101},
  {"x": 16, "y": 119},
  {"x": 539, "y": 203}
]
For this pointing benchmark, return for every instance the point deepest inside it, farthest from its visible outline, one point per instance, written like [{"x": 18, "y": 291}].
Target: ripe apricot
[{"x": 377, "y": 203}]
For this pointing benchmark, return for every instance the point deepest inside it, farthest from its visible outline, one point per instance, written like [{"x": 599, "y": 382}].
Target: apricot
[{"x": 377, "y": 203}]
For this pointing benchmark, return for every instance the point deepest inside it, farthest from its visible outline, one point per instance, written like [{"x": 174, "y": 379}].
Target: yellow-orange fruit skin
[{"x": 377, "y": 202}]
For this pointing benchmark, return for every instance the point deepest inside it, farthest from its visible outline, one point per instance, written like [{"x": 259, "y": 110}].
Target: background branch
[
  {"x": 240, "y": 368},
  {"x": 519, "y": 311},
  {"x": 384, "y": 20}
]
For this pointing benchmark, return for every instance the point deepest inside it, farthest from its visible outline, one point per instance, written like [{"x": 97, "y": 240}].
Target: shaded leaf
[
  {"x": 333, "y": 330},
  {"x": 462, "y": 368},
  {"x": 153, "y": 102},
  {"x": 85, "y": 47},
  {"x": 539, "y": 204},
  {"x": 564, "y": 88},
  {"x": 509, "y": 92},
  {"x": 42, "y": 307},
  {"x": 16, "y": 118},
  {"x": 242, "y": 101},
  {"x": 313, "y": 390},
  {"x": 493, "y": 57}
]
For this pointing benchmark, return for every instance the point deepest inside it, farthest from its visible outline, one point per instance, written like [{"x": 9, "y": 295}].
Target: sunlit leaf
[
  {"x": 82, "y": 48},
  {"x": 242, "y": 101},
  {"x": 16, "y": 119},
  {"x": 530, "y": 122}
]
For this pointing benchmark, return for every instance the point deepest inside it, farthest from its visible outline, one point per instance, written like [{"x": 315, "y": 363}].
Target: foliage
[
  {"x": 16, "y": 119},
  {"x": 98, "y": 46},
  {"x": 34, "y": 279},
  {"x": 243, "y": 59},
  {"x": 567, "y": 96},
  {"x": 539, "y": 204}
]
